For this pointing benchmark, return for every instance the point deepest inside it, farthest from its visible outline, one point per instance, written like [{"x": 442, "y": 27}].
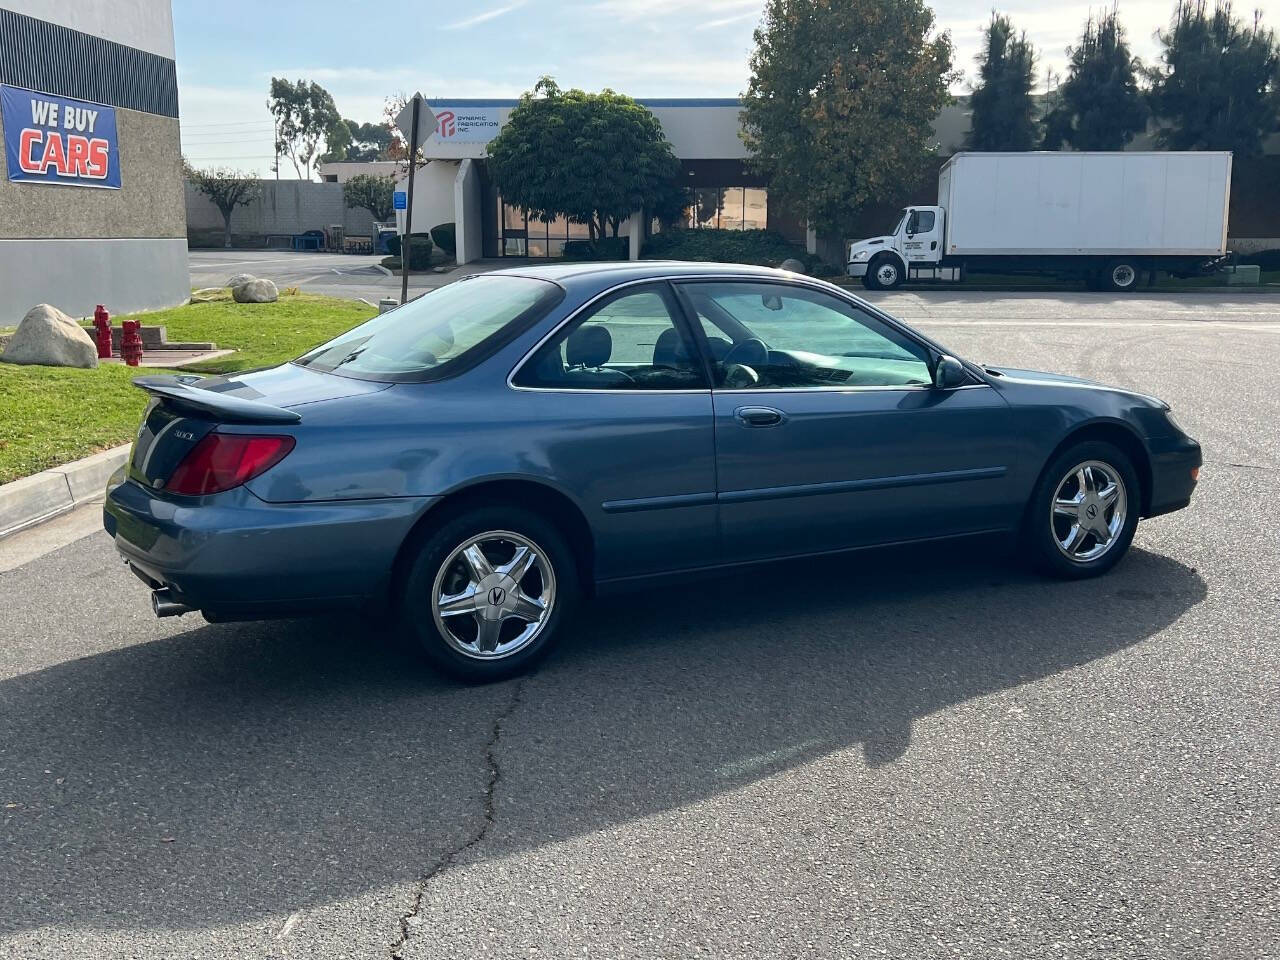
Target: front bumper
[
  {"x": 857, "y": 268},
  {"x": 1175, "y": 464},
  {"x": 236, "y": 555}
]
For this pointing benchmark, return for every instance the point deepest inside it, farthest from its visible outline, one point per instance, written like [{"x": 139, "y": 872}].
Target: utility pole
[{"x": 412, "y": 120}]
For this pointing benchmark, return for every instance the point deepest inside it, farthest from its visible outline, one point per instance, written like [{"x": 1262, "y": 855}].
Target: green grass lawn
[{"x": 51, "y": 415}]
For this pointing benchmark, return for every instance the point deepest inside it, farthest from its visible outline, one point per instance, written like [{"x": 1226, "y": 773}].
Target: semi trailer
[{"x": 1109, "y": 219}]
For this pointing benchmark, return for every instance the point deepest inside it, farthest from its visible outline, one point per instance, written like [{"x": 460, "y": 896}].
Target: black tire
[
  {"x": 1039, "y": 534},
  {"x": 1122, "y": 276},
  {"x": 879, "y": 261},
  {"x": 417, "y": 593}
]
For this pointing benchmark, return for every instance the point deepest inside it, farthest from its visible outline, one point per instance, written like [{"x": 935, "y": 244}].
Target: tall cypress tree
[
  {"x": 1099, "y": 104},
  {"x": 1003, "y": 111},
  {"x": 1218, "y": 84}
]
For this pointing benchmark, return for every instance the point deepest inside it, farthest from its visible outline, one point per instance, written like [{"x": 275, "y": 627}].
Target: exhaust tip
[{"x": 164, "y": 605}]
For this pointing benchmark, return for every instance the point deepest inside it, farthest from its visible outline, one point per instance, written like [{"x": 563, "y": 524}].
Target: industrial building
[{"x": 91, "y": 200}]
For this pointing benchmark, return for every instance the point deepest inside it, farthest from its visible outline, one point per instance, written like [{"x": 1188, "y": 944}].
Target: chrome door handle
[{"x": 759, "y": 416}]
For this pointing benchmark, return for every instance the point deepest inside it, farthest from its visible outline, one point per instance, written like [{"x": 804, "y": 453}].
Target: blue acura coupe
[{"x": 486, "y": 455}]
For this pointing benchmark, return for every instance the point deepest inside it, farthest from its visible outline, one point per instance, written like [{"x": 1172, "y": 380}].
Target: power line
[
  {"x": 217, "y": 140},
  {"x": 230, "y": 123},
  {"x": 247, "y": 156}
]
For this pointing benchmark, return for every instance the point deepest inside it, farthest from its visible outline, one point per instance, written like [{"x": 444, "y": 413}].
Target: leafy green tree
[
  {"x": 1099, "y": 105},
  {"x": 1218, "y": 83},
  {"x": 840, "y": 107},
  {"x": 1003, "y": 109},
  {"x": 370, "y": 193},
  {"x": 226, "y": 190},
  {"x": 306, "y": 118},
  {"x": 358, "y": 142},
  {"x": 590, "y": 157}
]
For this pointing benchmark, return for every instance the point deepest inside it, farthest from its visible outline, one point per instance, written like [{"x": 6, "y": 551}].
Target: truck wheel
[
  {"x": 1122, "y": 275},
  {"x": 884, "y": 272}
]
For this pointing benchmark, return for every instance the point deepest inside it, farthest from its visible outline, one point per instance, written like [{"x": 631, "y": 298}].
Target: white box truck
[{"x": 1105, "y": 218}]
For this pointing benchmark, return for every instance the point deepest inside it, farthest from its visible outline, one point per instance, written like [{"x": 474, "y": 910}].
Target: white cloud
[
  {"x": 484, "y": 17},
  {"x": 725, "y": 21}
]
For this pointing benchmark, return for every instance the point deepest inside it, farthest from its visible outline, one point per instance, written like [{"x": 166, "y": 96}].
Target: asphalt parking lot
[
  {"x": 921, "y": 754},
  {"x": 331, "y": 274}
]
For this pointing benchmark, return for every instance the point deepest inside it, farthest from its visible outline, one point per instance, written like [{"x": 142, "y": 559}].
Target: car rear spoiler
[{"x": 181, "y": 394}]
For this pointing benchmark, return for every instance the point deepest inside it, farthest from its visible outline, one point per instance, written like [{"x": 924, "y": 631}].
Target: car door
[
  {"x": 829, "y": 432},
  {"x": 623, "y": 408}
]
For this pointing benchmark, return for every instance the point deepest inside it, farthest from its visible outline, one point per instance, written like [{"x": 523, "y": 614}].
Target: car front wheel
[
  {"x": 1084, "y": 511},
  {"x": 488, "y": 593}
]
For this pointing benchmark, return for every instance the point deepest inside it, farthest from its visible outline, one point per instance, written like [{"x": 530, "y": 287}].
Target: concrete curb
[{"x": 42, "y": 496}]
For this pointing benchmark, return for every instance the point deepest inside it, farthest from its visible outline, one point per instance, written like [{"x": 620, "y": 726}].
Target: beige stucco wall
[{"x": 149, "y": 202}]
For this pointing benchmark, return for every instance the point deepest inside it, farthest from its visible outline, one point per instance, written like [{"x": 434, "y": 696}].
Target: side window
[
  {"x": 781, "y": 336},
  {"x": 631, "y": 342},
  {"x": 924, "y": 221}
]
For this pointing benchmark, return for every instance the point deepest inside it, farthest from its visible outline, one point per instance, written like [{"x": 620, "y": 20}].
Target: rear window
[{"x": 440, "y": 333}]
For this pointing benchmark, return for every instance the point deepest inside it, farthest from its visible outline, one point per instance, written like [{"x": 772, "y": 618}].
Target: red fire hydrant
[
  {"x": 102, "y": 320},
  {"x": 131, "y": 342}
]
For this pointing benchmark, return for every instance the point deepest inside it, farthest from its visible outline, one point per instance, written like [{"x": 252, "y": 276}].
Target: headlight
[{"x": 862, "y": 255}]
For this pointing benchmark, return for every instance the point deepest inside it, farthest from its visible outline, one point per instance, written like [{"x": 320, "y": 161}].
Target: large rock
[
  {"x": 48, "y": 337},
  {"x": 240, "y": 278},
  {"x": 255, "y": 291}
]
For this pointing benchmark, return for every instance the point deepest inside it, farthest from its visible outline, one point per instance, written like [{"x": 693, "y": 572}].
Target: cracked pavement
[{"x": 915, "y": 754}]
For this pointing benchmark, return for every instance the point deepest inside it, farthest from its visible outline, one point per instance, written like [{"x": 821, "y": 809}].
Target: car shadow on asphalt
[{"x": 230, "y": 772}]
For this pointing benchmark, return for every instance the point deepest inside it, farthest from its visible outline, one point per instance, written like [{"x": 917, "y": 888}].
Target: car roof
[{"x": 610, "y": 273}]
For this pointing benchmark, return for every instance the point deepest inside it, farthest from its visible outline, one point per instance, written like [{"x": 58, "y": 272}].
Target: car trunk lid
[{"x": 184, "y": 409}]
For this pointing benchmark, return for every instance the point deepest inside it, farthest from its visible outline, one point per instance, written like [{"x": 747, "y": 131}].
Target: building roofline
[{"x": 650, "y": 102}]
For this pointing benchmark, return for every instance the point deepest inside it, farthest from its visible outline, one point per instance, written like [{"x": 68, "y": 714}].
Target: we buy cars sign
[{"x": 50, "y": 139}]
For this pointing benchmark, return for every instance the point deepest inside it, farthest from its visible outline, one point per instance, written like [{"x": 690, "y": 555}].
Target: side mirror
[{"x": 948, "y": 373}]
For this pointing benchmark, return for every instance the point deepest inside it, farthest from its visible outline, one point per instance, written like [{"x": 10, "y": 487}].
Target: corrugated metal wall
[{"x": 54, "y": 59}]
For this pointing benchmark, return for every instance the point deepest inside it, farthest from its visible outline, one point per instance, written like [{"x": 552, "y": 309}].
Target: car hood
[
  {"x": 289, "y": 385},
  {"x": 1039, "y": 376},
  {"x": 1033, "y": 379}
]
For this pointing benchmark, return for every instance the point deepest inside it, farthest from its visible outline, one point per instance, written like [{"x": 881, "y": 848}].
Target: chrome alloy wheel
[
  {"x": 493, "y": 595},
  {"x": 1088, "y": 511},
  {"x": 887, "y": 274}
]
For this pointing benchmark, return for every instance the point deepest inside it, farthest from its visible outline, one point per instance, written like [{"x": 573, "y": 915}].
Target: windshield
[
  {"x": 897, "y": 224},
  {"x": 439, "y": 333}
]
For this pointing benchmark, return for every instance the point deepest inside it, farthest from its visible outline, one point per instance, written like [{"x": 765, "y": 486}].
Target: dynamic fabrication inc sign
[{"x": 50, "y": 139}]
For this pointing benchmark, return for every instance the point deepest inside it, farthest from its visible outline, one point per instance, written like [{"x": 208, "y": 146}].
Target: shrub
[
  {"x": 419, "y": 250},
  {"x": 445, "y": 236},
  {"x": 606, "y": 248},
  {"x": 760, "y": 247}
]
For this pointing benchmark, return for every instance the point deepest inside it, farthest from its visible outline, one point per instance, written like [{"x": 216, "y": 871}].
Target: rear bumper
[
  {"x": 237, "y": 556},
  {"x": 1175, "y": 461}
]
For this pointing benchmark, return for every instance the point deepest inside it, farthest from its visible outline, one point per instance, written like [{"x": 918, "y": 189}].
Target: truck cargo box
[{"x": 1156, "y": 204}]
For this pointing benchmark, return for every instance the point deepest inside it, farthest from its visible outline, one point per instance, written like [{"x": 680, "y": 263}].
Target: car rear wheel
[
  {"x": 1083, "y": 514},
  {"x": 884, "y": 272},
  {"x": 488, "y": 593}
]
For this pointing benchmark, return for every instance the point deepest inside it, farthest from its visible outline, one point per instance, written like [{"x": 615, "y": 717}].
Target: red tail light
[{"x": 222, "y": 461}]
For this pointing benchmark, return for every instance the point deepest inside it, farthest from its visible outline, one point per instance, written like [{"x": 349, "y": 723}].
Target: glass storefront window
[{"x": 729, "y": 208}]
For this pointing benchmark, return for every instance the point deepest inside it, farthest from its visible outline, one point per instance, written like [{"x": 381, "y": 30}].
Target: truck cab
[{"x": 916, "y": 239}]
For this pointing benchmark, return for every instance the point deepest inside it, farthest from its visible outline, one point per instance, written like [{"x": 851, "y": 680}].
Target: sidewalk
[{"x": 41, "y": 496}]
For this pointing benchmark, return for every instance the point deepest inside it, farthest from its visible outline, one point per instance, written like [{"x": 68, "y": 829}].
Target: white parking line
[{"x": 1256, "y": 326}]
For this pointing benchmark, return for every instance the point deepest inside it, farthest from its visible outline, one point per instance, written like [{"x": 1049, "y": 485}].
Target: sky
[{"x": 362, "y": 52}]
